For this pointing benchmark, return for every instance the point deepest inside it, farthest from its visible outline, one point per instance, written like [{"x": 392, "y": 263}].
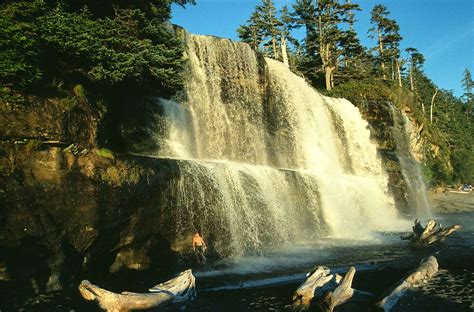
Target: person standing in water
[{"x": 199, "y": 247}]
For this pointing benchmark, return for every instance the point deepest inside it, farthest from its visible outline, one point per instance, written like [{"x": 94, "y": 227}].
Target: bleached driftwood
[
  {"x": 327, "y": 290},
  {"x": 177, "y": 289},
  {"x": 315, "y": 283},
  {"x": 183, "y": 287},
  {"x": 340, "y": 295},
  {"x": 427, "y": 268},
  {"x": 430, "y": 235}
]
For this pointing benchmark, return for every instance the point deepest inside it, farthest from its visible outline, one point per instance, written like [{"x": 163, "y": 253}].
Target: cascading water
[
  {"x": 412, "y": 175},
  {"x": 263, "y": 158}
]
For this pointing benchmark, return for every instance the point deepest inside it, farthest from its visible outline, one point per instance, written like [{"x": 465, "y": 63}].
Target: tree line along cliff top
[{"x": 94, "y": 52}]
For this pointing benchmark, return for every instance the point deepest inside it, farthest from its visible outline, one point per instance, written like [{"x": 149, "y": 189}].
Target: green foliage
[
  {"x": 79, "y": 91},
  {"x": 387, "y": 33},
  {"x": 124, "y": 51},
  {"x": 468, "y": 85},
  {"x": 371, "y": 89},
  {"x": 19, "y": 55},
  {"x": 121, "y": 174},
  {"x": 251, "y": 32},
  {"x": 107, "y": 47},
  {"x": 463, "y": 164},
  {"x": 263, "y": 29},
  {"x": 105, "y": 153}
]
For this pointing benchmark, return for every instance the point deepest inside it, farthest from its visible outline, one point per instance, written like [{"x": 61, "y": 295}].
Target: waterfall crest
[{"x": 264, "y": 158}]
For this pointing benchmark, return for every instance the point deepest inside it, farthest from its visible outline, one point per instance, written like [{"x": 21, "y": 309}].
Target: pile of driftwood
[
  {"x": 430, "y": 235},
  {"x": 325, "y": 291},
  {"x": 178, "y": 289}
]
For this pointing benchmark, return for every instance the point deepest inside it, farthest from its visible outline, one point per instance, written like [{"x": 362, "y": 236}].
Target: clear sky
[{"x": 443, "y": 30}]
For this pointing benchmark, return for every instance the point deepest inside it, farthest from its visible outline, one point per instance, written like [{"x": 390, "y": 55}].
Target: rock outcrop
[{"x": 70, "y": 210}]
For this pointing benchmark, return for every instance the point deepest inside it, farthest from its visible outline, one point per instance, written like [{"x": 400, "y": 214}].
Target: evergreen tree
[
  {"x": 468, "y": 85},
  {"x": 287, "y": 24},
  {"x": 356, "y": 62},
  {"x": 103, "y": 45},
  {"x": 263, "y": 29},
  {"x": 309, "y": 61},
  {"x": 19, "y": 49},
  {"x": 415, "y": 61},
  {"x": 322, "y": 20},
  {"x": 304, "y": 15},
  {"x": 386, "y": 32},
  {"x": 252, "y": 32},
  {"x": 265, "y": 32},
  {"x": 270, "y": 27}
]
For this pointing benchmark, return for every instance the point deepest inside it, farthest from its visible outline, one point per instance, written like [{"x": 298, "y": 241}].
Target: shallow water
[{"x": 266, "y": 282}]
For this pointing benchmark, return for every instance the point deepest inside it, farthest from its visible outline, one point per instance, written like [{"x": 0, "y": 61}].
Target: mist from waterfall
[{"x": 264, "y": 159}]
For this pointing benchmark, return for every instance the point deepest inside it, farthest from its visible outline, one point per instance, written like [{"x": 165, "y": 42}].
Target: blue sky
[{"x": 443, "y": 30}]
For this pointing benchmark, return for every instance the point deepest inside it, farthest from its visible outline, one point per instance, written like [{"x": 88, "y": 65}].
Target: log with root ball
[
  {"x": 326, "y": 291},
  {"x": 430, "y": 235},
  {"x": 427, "y": 268},
  {"x": 178, "y": 289}
]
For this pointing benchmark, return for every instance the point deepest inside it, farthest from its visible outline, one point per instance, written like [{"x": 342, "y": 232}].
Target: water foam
[{"x": 270, "y": 161}]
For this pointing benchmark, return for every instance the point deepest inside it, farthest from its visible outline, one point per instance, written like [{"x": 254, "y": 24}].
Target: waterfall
[
  {"x": 263, "y": 158},
  {"x": 412, "y": 175}
]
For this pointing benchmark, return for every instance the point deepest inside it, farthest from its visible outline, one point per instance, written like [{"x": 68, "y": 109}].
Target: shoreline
[
  {"x": 450, "y": 290},
  {"x": 451, "y": 201}
]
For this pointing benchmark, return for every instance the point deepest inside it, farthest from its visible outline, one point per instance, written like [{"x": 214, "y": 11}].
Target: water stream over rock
[{"x": 264, "y": 159}]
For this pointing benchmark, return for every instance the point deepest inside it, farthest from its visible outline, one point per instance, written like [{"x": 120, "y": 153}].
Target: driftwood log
[
  {"x": 427, "y": 268},
  {"x": 430, "y": 235},
  {"x": 177, "y": 289},
  {"x": 327, "y": 290},
  {"x": 340, "y": 295}
]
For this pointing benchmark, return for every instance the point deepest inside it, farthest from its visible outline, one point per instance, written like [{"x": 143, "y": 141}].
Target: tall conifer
[{"x": 386, "y": 32}]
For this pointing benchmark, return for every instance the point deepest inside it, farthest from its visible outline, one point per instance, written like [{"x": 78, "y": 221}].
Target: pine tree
[
  {"x": 304, "y": 15},
  {"x": 355, "y": 59},
  {"x": 287, "y": 24},
  {"x": 110, "y": 47},
  {"x": 252, "y": 32},
  {"x": 415, "y": 61},
  {"x": 386, "y": 31},
  {"x": 270, "y": 26},
  {"x": 322, "y": 20},
  {"x": 269, "y": 34},
  {"x": 468, "y": 85}
]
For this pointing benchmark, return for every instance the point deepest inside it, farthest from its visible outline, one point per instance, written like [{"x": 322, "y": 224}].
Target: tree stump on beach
[
  {"x": 427, "y": 268},
  {"x": 178, "y": 289},
  {"x": 430, "y": 235}
]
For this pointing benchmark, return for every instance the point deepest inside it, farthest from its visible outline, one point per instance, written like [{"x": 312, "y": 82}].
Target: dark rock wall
[
  {"x": 379, "y": 114},
  {"x": 73, "y": 213}
]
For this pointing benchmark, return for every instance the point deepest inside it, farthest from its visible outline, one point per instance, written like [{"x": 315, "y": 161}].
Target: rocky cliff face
[
  {"x": 70, "y": 210},
  {"x": 400, "y": 142},
  {"x": 380, "y": 118}
]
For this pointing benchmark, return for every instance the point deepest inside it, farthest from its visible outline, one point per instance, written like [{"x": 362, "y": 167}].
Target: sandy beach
[{"x": 451, "y": 201}]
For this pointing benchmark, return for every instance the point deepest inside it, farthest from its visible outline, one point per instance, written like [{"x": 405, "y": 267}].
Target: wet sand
[{"x": 451, "y": 202}]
